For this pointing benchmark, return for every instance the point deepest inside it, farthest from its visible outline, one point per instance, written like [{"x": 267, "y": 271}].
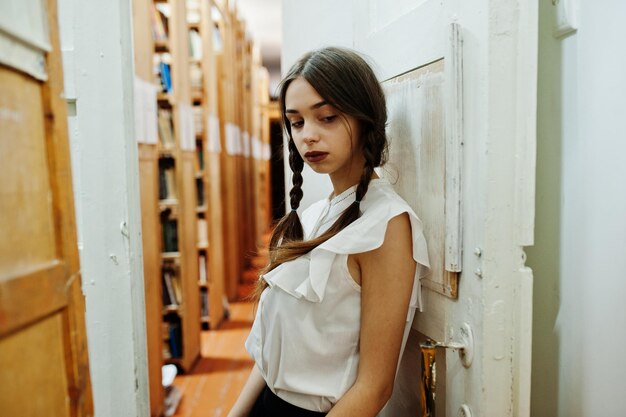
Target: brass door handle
[
  {"x": 428, "y": 388},
  {"x": 464, "y": 344}
]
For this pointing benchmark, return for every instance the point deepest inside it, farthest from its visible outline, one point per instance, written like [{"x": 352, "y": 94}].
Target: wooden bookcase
[
  {"x": 168, "y": 170},
  {"x": 198, "y": 97},
  {"x": 212, "y": 45},
  {"x": 178, "y": 208},
  {"x": 202, "y": 182},
  {"x": 149, "y": 189},
  {"x": 237, "y": 73}
]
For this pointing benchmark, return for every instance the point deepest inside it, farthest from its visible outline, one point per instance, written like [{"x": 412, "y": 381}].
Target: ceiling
[{"x": 264, "y": 24}]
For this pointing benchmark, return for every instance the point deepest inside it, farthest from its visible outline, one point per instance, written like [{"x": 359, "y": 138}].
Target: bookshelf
[
  {"x": 199, "y": 95},
  {"x": 212, "y": 278},
  {"x": 168, "y": 190},
  {"x": 148, "y": 151},
  {"x": 200, "y": 178},
  {"x": 178, "y": 167},
  {"x": 244, "y": 160}
]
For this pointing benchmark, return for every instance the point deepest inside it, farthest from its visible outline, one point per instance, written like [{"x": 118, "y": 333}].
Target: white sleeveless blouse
[{"x": 305, "y": 336}]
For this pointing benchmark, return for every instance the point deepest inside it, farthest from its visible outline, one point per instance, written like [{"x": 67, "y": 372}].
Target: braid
[
  {"x": 364, "y": 183},
  {"x": 289, "y": 228},
  {"x": 296, "y": 164}
]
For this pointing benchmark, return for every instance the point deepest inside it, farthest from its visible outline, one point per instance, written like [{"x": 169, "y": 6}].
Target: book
[
  {"x": 166, "y": 76},
  {"x": 162, "y": 185},
  {"x": 203, "y": 233},
  {"x": 202, "y": 271},
  {"x": 175, "y": 339},
  {"x": 170, "y": 235},
  {"x": 159, "y": 25},
  {"x": 169, "y": 295},
  {"x": 178, "y": 292},
  {"x": 195, "y": 76},
  {"x": 170, "y": 182},
  {"x": 167, "y": 179},
  {"x": 204, "y": 303},
  {"x": 200, "y": 191},
  {"x": 173, "y": 396},
  {"x": 166, "y": 129},
  {"x": 200, "y": 154},
  {"x": 195, "y": 45}
]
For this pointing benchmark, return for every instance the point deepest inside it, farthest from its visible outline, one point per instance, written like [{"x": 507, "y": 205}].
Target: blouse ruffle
[{"x": 307, "y": 276}]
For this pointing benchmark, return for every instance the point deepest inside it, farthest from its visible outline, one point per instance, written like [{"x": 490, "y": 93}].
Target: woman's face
[{"x": 327, "y": 139}]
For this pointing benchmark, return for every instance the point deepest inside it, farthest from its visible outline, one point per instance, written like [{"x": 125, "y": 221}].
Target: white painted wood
[
  {"x": 24, "y": 36},
  {"x": 418, "y": 156},
  {"x": 400, "y": 40},
  {"x": 526, "y": 132},
  {"x": 454, "y": 150},
  {"x": 566, "y": 21},
  {"x": 145, "y": 100},
  {"x": 97, "y": 38},
  {"x": 497, "y": 104}
]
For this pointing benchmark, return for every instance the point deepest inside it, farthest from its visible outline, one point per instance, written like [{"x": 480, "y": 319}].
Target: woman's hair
[{"x": 346, "y": 82}]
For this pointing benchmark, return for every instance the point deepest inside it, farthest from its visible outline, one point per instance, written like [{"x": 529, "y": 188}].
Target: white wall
[
  {"x": 332, "y": 22},
  {"x": 579, "y": 258},
  {"x": 98, "y": 65}
]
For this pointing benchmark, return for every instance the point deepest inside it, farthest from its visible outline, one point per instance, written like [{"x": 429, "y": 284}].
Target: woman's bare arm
[
  {"x": 249, "y": 394},
  {"x": 386, "y": 282}
]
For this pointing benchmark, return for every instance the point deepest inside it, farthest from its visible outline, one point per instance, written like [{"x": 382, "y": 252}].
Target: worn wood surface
[{"x": 41, "y": 345}]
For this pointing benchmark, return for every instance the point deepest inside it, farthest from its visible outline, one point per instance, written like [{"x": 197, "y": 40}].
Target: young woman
[{"x": 336, "y": 303}]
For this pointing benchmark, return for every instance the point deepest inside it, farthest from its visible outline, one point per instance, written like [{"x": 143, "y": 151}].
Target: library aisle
[{"x": 214, "y": 383}]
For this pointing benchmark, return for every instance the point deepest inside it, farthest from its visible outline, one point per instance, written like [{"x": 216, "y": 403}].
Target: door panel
[
  {"x": 43, "y": 347},
  {"x": 460, "y": 87},
  {"x": 415, "y": 102},
  {"x": 415, "y": 28},
  {"x": 30, "y": 366},
  {"x": 24, "y": 202}
]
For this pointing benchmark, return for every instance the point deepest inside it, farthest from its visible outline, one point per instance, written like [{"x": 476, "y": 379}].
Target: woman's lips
[{"x": 315, "y": 156}]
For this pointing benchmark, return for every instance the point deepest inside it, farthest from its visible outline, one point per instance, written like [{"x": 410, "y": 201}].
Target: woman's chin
[{"x": 318, "y": 168}]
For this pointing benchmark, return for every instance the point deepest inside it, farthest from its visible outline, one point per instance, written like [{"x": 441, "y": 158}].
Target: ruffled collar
[{"x": 336, "y": 205}]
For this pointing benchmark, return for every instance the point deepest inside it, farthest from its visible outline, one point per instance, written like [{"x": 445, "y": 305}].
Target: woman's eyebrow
[{"x": 313, "y": 107}]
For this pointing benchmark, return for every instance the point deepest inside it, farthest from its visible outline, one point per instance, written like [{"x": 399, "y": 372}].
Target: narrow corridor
[{"x": 213, "y": 385}]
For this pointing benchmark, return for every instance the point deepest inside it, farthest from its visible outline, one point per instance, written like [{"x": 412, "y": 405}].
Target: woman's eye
[
  {"x": 329, "y": 119},
  {"x": 296, "y": 123}
]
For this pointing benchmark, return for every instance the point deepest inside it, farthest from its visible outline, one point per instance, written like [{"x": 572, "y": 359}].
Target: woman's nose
[{"x": 310, "y": 134}]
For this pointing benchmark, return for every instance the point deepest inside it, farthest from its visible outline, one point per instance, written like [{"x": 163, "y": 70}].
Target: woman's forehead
[{"x": 301, "y": 95}]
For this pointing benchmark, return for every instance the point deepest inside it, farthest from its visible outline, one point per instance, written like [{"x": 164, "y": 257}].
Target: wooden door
[
  {"x": 44, "y": 366},
  {"x": 459, "y": 77},
  {"x": 460, "y": 84}
]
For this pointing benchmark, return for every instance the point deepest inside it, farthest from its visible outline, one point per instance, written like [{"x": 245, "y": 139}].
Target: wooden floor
[{"x": 213, "y": 385}]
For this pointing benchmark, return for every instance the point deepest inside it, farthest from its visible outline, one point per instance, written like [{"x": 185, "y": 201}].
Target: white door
[{"x": 460, "y": 78}]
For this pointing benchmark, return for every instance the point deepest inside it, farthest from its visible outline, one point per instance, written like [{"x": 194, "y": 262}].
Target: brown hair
[{"x": 344, "y": 80}]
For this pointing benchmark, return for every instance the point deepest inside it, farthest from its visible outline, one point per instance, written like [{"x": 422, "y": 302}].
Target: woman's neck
[{"x": 339, "y": 186}]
